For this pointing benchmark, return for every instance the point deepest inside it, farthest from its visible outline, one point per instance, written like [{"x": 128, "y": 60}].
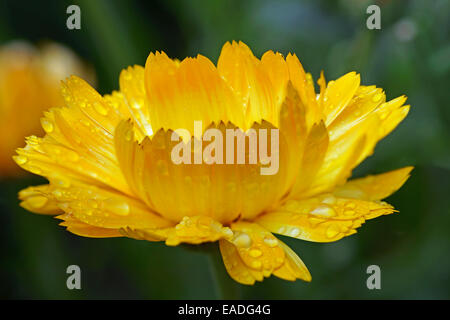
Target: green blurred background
[{"x": 409, "y": 55}]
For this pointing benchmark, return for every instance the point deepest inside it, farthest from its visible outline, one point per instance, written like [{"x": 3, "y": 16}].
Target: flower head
[
  {"x": 111, "y": 172},
  {"x": 29, "y": 84}
]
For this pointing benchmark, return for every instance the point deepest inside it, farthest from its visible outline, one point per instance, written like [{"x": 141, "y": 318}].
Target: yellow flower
[
  {"x": 109, "y": 166},
  {"x": 29, "y": 84}
]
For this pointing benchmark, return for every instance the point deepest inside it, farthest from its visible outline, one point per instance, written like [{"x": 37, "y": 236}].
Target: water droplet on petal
[
  {"x": 350, "y": 205},
  {"x": 349, "y": 212},
  {"x": 255, "y": 253},
  {"x": 129, "y": 135},
  {"x": 271, "y": 242},
  {"x": 100, "y": 109},
  {"x": 162, "y": 168},
  {"x": 256, "y": 264},
  {"x": 92, "y": 203},
  {"x": 242, "y": 240},
  {"x": 329, "y": 199},
  {"x": 47, "y": 125},
  {"x": 117, "y": 206},
  {"x": 332, "y": 231},
  {"x": 377, "y": 97},
  {"x": 61, "y": 182},
  {"x": 34, "y": 170},
  {"x": 227, "y": 232},
  {"x": 57, "y": 193},
  {"x": 20, "y": 159},
  {"x": 323, "y": 211},
  {"x": 294, "y": 232}
]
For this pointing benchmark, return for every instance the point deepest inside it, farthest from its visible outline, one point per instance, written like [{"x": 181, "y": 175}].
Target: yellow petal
[
  {"x": 303, "y": 83},
  {"x": 338, "y": 94},
  {"x": 336, "y": 167},
  {"x": 132, "y": 86},
  {"x": 248, "y": 79},
  {"x": 102, "y": 207},
  {"x": 79, "y": 145},
  {"x": 252, "y": 254},
  {"x": 234, "y": 264},
  {"x": 293, "y": 267},
  {"x": 179, "y": 94},
  {"x": 316, "y": 147},
  {"x": 374, "y": 187},
  {"x": 277, "y": 71},
  {"x": 192, "y": 230},
  {"x": 257, "y": 247},
  {"x": 377, "y": 124},
  {"x": 85, "y": 230},
  {"x": 351, "y": 146},
  {"x": 34, "y": 199},
  {"x": 293, "y": 130},
  {"x": 384, "y": 119},
  {"x": 366, "y": 100},
  {"x": 324, "y": 218}
]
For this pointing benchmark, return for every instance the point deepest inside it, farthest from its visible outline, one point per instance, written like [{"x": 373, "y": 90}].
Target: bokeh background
[{"x": 409, "y": 55}]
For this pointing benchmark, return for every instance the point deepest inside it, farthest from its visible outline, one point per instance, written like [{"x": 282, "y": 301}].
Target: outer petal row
[{"x": 330, "y": 217}]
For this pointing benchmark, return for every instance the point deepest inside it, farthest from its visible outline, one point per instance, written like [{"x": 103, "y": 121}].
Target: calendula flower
[
  {"x": 30, "y": 83},
  {"x": 111, "y": 172}
]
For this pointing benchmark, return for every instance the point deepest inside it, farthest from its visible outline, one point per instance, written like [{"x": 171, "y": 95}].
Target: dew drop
[
  {"x": 129, "y": 135},
  {"x": 242, "y": 240},
  {"x": 332, "y": 231},
  {"x": 20, "y": 159},
  {"x": 329, "y": 199},
  {"x": 47, "y": 125},
  {"x": 204, "y": 222},
  {"x": 271, "y": 242},
  {"x": 256, "y": 264},
  {"x": 61, "y": 182},
  {"x": 92, "y": 203},
  {"x": 294, "y": 232},
  {"x": 350, "y": 205},
  {"x": 117, "y": 206},
  {"x": 205, "y": 181},
  {"x": 35, "y": 170},
  {"x": 349, "y": 212},
  {"x": 255, "y": 253},
  {"x": 162, "y": 168},
  {"x": 377, "y": 97},
  {"x": 100, "y": 109},
  {"x": 323, "y": 211},
  {"x": 57, "y": 193},
  {"x": 383, "y": 116}
]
